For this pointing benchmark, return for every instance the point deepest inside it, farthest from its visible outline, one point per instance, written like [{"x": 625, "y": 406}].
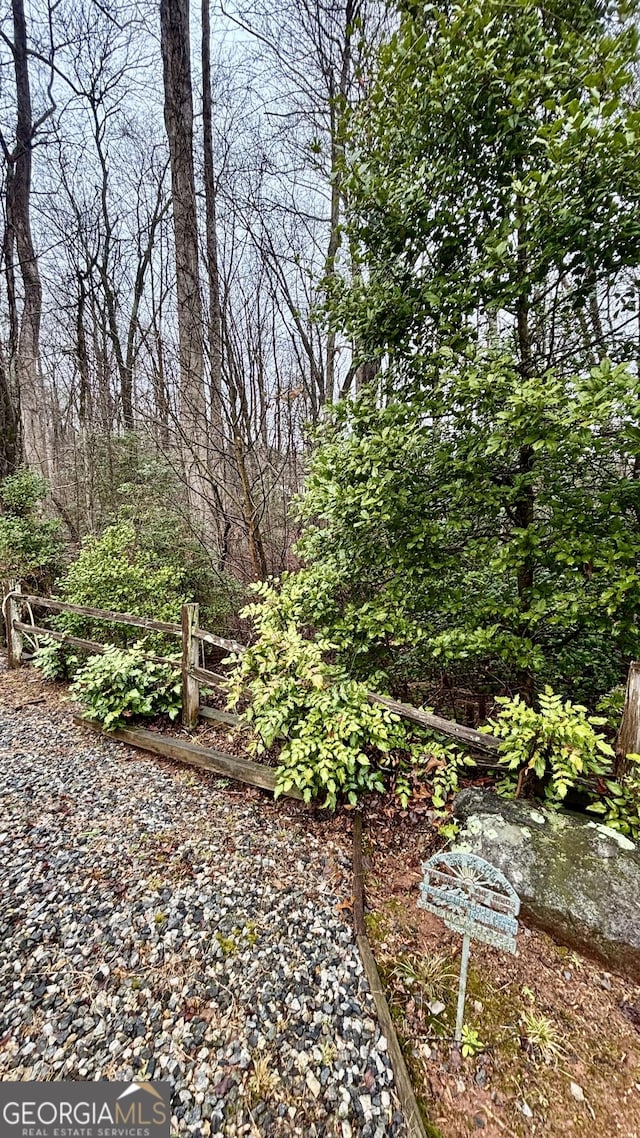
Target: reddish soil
[{"x": 561, "y": 1034}]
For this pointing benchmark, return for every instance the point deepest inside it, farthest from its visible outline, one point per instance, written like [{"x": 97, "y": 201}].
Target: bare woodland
[{"x": 171, "y": 221}]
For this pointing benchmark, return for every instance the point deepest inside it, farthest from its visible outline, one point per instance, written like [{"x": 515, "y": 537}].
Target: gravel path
[{"x": 153, "y": 922}]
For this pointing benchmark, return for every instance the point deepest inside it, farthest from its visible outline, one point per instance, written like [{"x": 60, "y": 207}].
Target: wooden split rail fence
[
  {"x": 194, "y": 675},
  {"x": 190, "y": 634}
]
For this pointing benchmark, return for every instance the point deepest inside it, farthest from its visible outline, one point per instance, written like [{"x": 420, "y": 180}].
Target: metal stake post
[{"x": 464, "y": 966}]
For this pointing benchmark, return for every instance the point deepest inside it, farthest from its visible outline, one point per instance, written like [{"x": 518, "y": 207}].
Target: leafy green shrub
[
  {"x": 558, "y": 745},
  {"x": 114, "y": 572},
  {"x": 329, "y": 728},
  {"x": 611, "y": 706},
  {"x": 620, "y": 801},
  {"x": 413, "y": 554},
  {"x": 130, "y": 570},
  {"x": 335, "y": 742},
  {"x": 52, "y": 661},
  {"x": 20, "y": 493},
  {"x": 121, "y": 684},
  {"x": 31, "y": 546},
  {"x": 559, "y": 748}
]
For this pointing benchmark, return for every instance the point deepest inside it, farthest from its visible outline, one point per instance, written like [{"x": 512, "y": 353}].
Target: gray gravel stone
[{"x": 154, "y": 924}]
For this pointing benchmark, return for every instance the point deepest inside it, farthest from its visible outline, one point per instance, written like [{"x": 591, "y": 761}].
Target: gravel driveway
[{"x": 154, "y": 922}]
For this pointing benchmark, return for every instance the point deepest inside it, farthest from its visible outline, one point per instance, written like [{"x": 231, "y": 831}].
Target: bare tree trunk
[
  {"x": 32, "y": 411},
  {"x": 215, "y": 312},
  {"x": 217, "y": 448},
  {"x": 337, "y": 112},
  {"x": 178, "y": 116},
  {"x": 10, "y": 438},
  {"x": 9, "y": 423},
  {"x": 239, "y": 421}
]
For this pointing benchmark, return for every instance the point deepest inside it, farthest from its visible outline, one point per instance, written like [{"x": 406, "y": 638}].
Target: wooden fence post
[
  {"x": 11, "y": 614},
  {"x": 190, "y": 658},
  {"x": 628, "y": 740}
]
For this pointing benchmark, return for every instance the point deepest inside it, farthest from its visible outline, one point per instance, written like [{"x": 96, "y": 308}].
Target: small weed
[
  {"x": 328, "y": 1052},
  {"x": 251, "y": 933},
  {"x": 376, "y": 926},
  {"x": 449, "y": 830},
  {"x": 541, "y": 1038},
  {"x": 428, "y": 978},
  {"x": 160, "y": 918},
  {"x": 415, "y": 984},
  {"x": 263, "y": 1080},
  {"x": 228, "y": 944},
  {"x": 471, "y": 1042},
  {"x": 231, "y": 943}
]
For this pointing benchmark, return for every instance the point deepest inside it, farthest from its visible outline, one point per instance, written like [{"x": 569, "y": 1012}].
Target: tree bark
[
  {"x": 215, "y": 309},
  {"x": 524, "y": 506},
  {"x": 178, "y": 117},
  {"x": 28, "y": 380},
  {"x": 337, "y": 114},
  {"x": 628, "y": 740},
  {"x": 9, "y": 422}
]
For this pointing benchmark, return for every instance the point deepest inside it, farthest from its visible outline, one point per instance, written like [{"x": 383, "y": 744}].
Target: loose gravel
[{"x": 155, "y": 924}]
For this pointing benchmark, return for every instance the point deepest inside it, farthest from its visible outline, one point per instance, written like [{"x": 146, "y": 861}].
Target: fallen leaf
[
  {"x": 632, "y": 1013},
  {"x": 222, "y": 1087}
]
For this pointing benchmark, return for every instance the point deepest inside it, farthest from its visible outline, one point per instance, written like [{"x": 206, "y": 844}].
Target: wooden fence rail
[
  {"x": 191, "y": 635},
  {"x": 218, "y": 641},
  {"x": 93, "y": 646},
  {"x": 466, "y": 735},
  {"x": 145, "y": 622},
  {"x": 193, "y": 673}
]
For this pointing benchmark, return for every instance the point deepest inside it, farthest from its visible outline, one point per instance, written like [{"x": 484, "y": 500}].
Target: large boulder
[{"x": 577, "y": 879}]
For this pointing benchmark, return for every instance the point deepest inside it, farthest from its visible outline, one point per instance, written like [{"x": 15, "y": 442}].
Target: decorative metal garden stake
[{"x": 475, "y": 899}]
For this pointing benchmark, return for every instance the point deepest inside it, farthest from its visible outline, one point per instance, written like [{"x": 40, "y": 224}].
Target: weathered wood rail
[
  {"x": 477, "y": 740},
  {"x": 205, "y": 758},
  {"x": 146, "y": 622},
  {"x": 191, "y": 636},
  {"x": 628, "y": 738},
  {"x": 92, "y": 646}
]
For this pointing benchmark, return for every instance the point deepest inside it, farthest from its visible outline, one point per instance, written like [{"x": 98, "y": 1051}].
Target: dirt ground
[{"x": 560, "y": 1035}]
